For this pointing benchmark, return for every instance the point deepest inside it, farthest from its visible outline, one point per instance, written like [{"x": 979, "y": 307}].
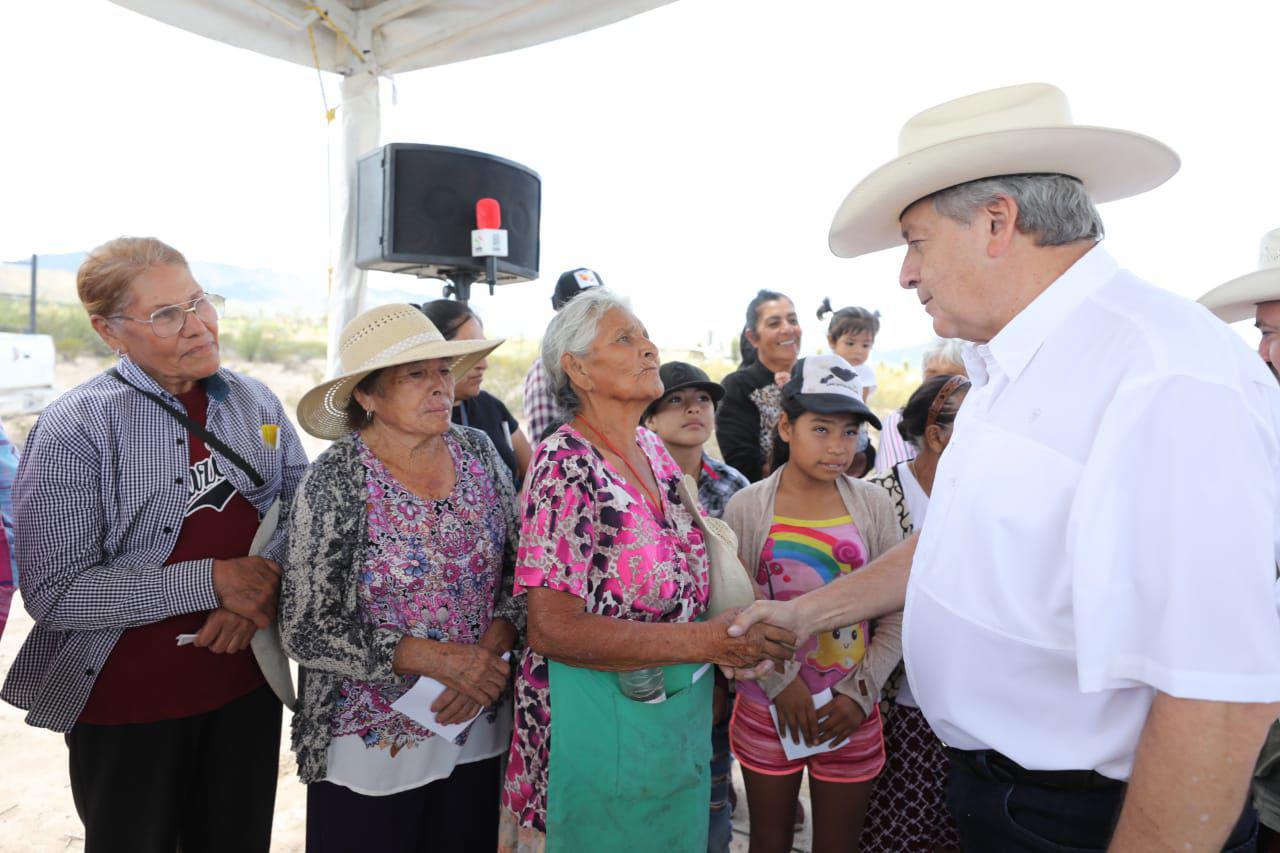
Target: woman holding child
[{"x": 748, "y": 417}]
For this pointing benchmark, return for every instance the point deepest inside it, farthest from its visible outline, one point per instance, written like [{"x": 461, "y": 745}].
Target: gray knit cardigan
[{"x": 320, "y": 624}]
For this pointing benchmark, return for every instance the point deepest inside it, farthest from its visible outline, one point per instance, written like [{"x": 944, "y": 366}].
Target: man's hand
[
  {"x": 248, "y": 587},
  {"x": 758, "y": 643},
  {"x": 224, "y": 632},
  {"x": 781, "y": 614},
  {"x": 838, "y": 719},
  {"x": 797, "y": 718}
]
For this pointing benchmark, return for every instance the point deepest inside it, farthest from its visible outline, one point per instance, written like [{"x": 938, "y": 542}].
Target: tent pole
[{"x": 360, "y": 118}]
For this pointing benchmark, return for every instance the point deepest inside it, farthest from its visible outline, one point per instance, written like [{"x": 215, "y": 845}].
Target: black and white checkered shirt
[{"x": 99, "y": 500}]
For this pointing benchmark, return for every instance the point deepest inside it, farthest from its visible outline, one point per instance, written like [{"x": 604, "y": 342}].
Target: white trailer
[{"x": 26, "y": 373}]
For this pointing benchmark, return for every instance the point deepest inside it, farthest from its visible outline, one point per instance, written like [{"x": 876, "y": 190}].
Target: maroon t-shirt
[{"x": 148, "y": 676}]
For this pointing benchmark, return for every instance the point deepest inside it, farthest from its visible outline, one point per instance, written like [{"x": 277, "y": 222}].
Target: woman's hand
[
  {"x": 796, "y": 713},
  {"x": 500, "y": 637},
  {"x": 452, "y": 707},
  {"x": 757, "y": 643},
  {"x": 838, "y": 719},
  {"x": 477, "y": 673},
  {"x": 224, "y": 632},
  {"x": 780, "y": 614}
]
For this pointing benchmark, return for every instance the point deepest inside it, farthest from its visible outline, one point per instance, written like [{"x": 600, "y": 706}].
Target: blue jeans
[
  {"x": 721, "y": 781},
  {"x": 1020, "y": 818}
]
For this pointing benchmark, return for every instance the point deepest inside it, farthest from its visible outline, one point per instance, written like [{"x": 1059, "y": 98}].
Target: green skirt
[{"x": 625, "y": 775}]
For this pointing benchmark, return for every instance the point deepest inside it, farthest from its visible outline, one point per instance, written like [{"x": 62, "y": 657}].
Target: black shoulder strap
[{"x": 193, "y": 426}]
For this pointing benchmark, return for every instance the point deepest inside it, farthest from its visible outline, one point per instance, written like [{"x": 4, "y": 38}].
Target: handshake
[{"x": 758, "y": 639}]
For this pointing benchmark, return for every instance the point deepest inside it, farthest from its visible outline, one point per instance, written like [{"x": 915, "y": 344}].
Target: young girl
[
  {"x": 851, "y": 335},
  {"x": 801, "y": 528}
]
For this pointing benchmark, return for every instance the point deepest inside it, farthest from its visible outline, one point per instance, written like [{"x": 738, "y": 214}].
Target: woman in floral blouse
[
  {"x": 616, "y": 576},
  {"x": 399, "y": 566}
]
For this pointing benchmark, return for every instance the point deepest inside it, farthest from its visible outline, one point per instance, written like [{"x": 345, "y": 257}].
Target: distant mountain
[
  {"x": 896, "y": 357},
  {"x": 257, "y": 289}
]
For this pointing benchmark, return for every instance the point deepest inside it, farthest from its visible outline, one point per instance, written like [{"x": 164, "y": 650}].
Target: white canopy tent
[{"x": 364, "y": 39}]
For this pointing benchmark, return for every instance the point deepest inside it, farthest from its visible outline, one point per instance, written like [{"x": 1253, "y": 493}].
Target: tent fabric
[
  {"x": 401, "y": 35},
  {"x": 365, "y": 39}
]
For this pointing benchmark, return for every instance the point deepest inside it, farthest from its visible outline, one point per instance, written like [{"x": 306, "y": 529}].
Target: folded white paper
[
  {"x": 416, "y": 705},
  {"x": 800, "y": 749},
  {"x": 186, "y": 639}
]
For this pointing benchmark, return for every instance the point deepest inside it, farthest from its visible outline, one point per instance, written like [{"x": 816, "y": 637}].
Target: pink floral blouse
[
  {"x": 431, "y": 570},
  {"x": 588, "y": 532}
]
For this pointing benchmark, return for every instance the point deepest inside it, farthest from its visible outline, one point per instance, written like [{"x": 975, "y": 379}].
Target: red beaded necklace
[{"x": 634, "y": 473}]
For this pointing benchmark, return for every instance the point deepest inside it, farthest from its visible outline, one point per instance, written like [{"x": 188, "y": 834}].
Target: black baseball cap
[
  {"x": 677, "y": 375},
  {"x": 573, "y": 282},
  {"x": 829, "y": 385}
]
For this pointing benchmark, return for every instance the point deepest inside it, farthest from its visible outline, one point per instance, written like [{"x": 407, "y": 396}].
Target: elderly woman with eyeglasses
[
  {"x": 137, "y": 500},
  {"x": 616, "y": 576}
]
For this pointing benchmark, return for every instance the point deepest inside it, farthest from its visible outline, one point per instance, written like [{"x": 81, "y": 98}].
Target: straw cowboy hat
[
  {"x": 380, "y": 337},
  {"x": 1236, "y": 299},
  {"x": 1015, "y": 130}
]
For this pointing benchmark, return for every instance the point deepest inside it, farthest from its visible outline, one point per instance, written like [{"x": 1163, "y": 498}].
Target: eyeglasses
[{"x": 168, "y": 321}]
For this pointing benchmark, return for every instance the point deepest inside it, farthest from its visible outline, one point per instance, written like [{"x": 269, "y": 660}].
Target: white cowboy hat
[
  {"x": 380, "y": 337},
  {"x": 1236, "y": 299},
  {"x": 1015, "y": 130}
]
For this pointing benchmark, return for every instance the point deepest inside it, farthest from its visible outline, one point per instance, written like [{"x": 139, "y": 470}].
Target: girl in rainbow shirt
[{"x": 803, "y": 527}]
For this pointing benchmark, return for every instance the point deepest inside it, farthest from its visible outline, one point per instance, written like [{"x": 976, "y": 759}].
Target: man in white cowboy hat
[
  {"x": 1088, "y": 620},
  {"x": 1256, "y": 295}
]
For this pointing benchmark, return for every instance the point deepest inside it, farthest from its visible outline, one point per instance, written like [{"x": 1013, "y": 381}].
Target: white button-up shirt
[{"x": 1084, "y": 547}]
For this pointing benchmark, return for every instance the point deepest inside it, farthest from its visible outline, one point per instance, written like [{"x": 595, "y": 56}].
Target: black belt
[{"x": 993, "y": 766}]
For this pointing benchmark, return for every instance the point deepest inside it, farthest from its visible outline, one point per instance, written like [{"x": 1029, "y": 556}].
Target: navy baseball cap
[{"x": 573, "y": 282}]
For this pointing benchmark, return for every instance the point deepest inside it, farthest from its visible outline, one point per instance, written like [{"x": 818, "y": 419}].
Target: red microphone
[
  {"x": 488, "y": 214},
  {"x": 489, "y": 239}
]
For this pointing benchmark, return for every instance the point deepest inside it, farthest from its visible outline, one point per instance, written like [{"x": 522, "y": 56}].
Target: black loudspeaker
[{"x": 416, "y": 208}]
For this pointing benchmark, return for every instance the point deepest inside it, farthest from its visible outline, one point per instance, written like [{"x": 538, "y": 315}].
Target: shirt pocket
[{"x": 999, "y": 558}]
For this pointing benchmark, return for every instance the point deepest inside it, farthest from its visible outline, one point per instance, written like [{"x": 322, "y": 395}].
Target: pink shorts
[{"x": 756, "y": 743}]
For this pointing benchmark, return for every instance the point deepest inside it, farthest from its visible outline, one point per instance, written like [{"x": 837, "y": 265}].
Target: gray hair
[
  {"x": 572, "y": 331},
  {"x": 1055, "y": 209},
  {"x": 943, "y": 349}
]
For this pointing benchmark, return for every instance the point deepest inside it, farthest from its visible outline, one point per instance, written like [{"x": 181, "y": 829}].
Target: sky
[{"x": 691, "y": 154}]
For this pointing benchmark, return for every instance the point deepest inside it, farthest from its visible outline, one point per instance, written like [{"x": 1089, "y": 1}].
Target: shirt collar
[
  {"x": 1016, "y": 344},
  {"x": 709, "y": 467},
  {"x": 217, "y": 386}
]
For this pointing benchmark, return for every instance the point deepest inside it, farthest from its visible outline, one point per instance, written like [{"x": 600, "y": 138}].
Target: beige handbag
[
  {"x": 731, "y": 585},
  {"x": 266, "y": 642}
]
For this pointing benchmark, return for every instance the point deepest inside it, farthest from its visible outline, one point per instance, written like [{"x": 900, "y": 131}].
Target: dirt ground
[
  {"x": 36, "y": 810},
  {"x": 37, "y": 814}
]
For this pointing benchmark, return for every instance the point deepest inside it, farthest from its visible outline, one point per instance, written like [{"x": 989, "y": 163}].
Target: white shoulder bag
[{"x": 731, "y": 585}]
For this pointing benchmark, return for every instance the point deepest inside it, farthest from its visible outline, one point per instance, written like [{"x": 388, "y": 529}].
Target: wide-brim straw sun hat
[
  {"x": 380, "y": 337},
  {"x": 1015, "y": 130},
  {"x": 1238, "y": 298}
]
